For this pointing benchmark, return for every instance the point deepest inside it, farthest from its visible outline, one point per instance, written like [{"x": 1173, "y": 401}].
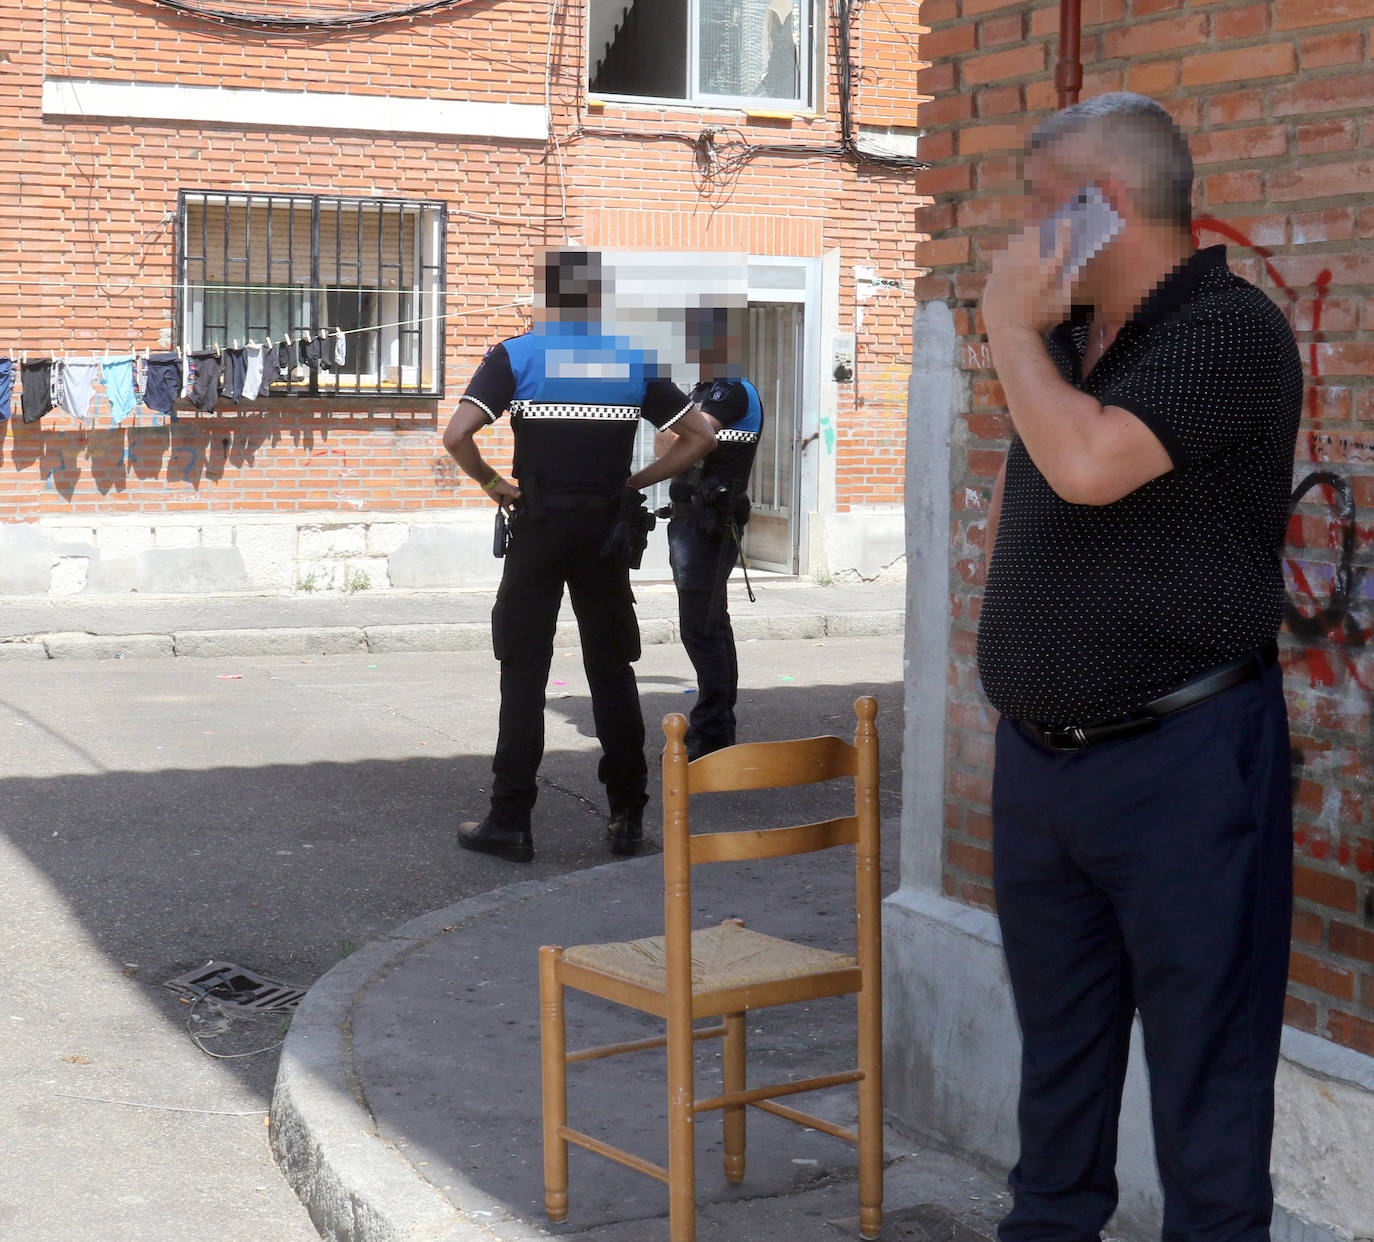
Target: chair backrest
[{"x": 771, "y": 765}]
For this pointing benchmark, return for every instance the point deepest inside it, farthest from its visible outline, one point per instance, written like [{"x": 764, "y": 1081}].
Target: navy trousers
[
  {"x": 701, "y": 566},
  {"x": 1151, "y": 874},
  {"x": 543, "y": 555}
]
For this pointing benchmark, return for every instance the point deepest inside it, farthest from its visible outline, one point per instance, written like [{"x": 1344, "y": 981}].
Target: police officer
[
  {"x": 708, "y": 511},
  {"x": 575, "y": 398}
]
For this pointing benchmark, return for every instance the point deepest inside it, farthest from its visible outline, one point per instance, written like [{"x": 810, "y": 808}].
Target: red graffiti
[{"x": 1322, "y": 283}]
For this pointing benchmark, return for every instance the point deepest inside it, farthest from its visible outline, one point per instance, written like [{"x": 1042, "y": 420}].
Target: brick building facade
[
  {"x": 148, "y": 143},
  {"x": 1276, "y": 98}
]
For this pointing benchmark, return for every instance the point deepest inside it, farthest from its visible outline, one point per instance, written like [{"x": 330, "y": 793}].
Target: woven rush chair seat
[{"x": 723, "y": 957}]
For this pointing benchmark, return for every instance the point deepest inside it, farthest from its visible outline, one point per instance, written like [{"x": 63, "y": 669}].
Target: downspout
[{"x": 1068, "y": 71}]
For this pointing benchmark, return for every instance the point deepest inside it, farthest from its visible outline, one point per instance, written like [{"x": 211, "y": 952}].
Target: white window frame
[{"x": 810, "y": 57}]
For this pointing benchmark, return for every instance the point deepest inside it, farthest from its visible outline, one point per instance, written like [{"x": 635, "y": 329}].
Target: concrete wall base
[
  {"x": 861, "y": 545},
  {"x": 952, "y": 1069},
  {"x": 191, "y": 553}
]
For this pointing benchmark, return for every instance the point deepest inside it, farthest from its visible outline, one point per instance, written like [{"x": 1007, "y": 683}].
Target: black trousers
[
  {"x": 701, "y": 565},
  {"x": 542, "y": 556},
  {"x": 1153, "y": 873}
]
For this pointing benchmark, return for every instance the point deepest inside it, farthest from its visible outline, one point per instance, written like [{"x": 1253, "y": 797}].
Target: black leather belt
[
  {"x": 1069, "y": 738},
  {"x": 581, "y": 502}
]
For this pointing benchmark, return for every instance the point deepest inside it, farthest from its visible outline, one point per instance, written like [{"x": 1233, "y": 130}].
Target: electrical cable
[
  {"x": 227, "y": 1056},
  {"x": 338, "y": 22}
]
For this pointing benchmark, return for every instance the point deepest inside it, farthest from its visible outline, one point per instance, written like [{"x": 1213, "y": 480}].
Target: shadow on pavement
[{"x": 286, "y": 869}]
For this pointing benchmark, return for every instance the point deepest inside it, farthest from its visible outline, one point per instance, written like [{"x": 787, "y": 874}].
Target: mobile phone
[
  {"x": 501, "y": 535},
  {"x": 1093, "y": 222}
]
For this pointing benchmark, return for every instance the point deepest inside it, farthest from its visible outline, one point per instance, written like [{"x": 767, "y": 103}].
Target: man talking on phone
[{"x": 1141, "y": 807}]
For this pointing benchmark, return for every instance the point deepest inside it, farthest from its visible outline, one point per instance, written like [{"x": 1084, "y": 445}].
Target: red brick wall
[
  {"x": 90, "y": 238},
  {"x": 1276, "y": 98}
]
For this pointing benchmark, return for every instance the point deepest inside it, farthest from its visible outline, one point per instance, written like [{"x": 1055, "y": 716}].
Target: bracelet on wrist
[{"x": 491, "y": 482}]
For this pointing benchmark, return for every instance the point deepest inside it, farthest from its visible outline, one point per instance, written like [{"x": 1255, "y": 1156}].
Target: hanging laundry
[
  {"x": 140, "y": 375},
  {"x": 326, "y": 351},
  {"x": 235, "y": 372},
  {"x": 35, "y": 382},
  {"x": 209, "y": 372},
  {"x": 253, "y": 371},
  {"x": 340, "y": 349},
  {"x": 6, "y": 387},
  {"x": 314, "y": 354},
  {"x": 117, "y": 374},
  {"x": 164, "y": 383},
  {"x": 272, "y": 369},
  {"x": 303, "y": 351},
  {"x": 77, "y": 392}
]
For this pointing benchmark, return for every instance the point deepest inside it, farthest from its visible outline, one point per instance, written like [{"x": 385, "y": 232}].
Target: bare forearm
[
  {"x": 679, "y": 455},
  {"x": 1053, "y": 418},
  {"x": 470, "y": 460},
  {"x": 467, "y": 420}
]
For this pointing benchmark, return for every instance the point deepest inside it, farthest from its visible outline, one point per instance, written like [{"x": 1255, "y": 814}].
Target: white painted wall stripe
[{"x": 291, "y": 110}]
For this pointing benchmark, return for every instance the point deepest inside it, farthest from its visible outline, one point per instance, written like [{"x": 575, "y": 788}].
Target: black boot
[
  {"x": 625, "y": 829},
  {"x": 512, "y": 844}
]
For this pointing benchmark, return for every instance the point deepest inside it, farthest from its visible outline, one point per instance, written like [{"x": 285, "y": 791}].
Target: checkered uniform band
[{"x": 598, "y": 413}]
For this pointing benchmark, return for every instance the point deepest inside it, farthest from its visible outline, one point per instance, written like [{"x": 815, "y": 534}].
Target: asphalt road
[{"x": 277, "y": 813}]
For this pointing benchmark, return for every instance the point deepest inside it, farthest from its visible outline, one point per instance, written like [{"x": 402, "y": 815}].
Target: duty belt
[
  {"x": 582, "y": 502},
  {"x": 1070, "y": 738}
]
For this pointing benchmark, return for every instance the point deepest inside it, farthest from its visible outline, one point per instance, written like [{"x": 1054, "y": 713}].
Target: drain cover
[
  {"x": 926, "y": 1222},
  {"x": 237, "y": 987}
]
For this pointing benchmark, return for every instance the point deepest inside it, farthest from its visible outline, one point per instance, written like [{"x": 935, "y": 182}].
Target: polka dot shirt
[{"x": 1091, "y": 611}]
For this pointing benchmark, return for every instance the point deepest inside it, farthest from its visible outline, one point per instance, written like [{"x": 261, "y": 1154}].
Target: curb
[
  {"x": 356, "y": 1186},
  {"x": 375, "y": 639}
]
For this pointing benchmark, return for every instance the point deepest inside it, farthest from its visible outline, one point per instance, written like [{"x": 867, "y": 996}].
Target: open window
[
  {"x": 730, "y": 52},
  {"x": 268, "y": 266}
]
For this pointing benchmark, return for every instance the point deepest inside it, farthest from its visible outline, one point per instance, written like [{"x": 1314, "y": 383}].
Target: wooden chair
[{"x": 723, "y": 972}]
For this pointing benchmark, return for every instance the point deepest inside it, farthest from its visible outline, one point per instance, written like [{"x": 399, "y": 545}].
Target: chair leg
[
  {"x": 734, "y": 1080},
  {"x": 870, "y": 1035},
  {"x": 553, "y": 1046},
  {"x": 682, "y": 1177}
]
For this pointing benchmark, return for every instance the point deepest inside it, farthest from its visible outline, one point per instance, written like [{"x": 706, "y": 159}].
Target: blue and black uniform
[
  {"x": 575, "y": 400},
  {"x": 709, "y": 510}
]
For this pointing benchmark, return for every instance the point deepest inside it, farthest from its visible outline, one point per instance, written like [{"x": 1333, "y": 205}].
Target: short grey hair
[{"x": 1137, "y": 137}]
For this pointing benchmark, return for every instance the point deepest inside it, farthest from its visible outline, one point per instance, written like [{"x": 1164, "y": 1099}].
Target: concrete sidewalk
[
  {"x": 129, "y": 626},
  {"x": 407, "y": 1103}
]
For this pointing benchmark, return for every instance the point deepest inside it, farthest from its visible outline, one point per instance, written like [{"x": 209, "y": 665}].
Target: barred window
[{"x": 269, "y": 266}]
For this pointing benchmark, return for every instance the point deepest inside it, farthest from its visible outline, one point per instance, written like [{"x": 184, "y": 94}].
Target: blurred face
[
  {"x": 575, "y": 294},
  {"x": 717, "y": 339},
  {"x": 1054, "y": 177}
]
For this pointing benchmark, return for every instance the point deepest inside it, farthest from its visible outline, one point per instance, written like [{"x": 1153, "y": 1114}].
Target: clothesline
[
  {"x": 298, "y": 335},
  {"x": 163, "y": 285}
]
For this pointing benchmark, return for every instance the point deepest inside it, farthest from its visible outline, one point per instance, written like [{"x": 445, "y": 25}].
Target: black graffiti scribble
[{"x": 1335, "y": 614}]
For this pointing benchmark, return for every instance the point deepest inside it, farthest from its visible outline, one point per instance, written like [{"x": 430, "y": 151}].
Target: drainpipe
[{"x": 1068, "y": 71}]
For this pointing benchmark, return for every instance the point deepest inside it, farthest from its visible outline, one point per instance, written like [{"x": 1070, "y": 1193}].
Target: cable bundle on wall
[{"x": 336, "y": 21}]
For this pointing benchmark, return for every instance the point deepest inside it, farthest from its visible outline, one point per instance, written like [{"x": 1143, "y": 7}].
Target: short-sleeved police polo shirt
[
  {"x": 575, "y": 400},
  {"x": 1092, "y": 610}
]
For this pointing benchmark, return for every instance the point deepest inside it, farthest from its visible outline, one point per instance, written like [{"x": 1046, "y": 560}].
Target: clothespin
[
  {"x": 251, "y": 343},
  {"x": 217, "y": 353},
  {"x": 236, "y": 342},
  {"x": 324, "y": 332}
]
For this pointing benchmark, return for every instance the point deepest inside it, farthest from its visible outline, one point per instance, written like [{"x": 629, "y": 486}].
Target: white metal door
[{"x": 775, "y": 367}]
